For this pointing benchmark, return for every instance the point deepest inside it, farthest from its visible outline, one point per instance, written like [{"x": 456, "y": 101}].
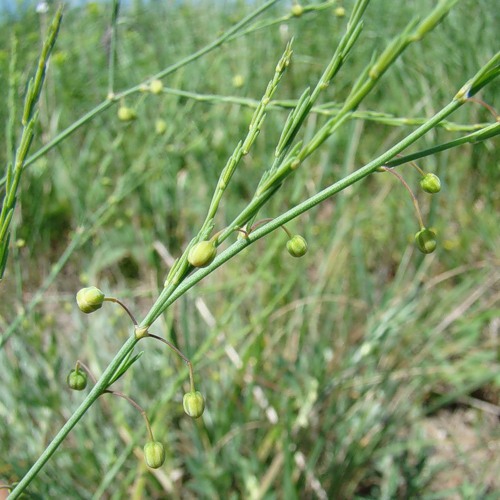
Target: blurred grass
[{"x": 320, "y": 374}]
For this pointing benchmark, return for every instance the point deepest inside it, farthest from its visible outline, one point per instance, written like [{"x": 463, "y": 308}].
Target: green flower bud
[
  {"x": 77, "y": 380},
  {"x": 126, "y": 114},
  {"x": 430, "y": 183},
  {"x": 297, "y": 10},
  {"x": 296, "y": 246},
  {"x": 426, "y": 240},
  {"x": 194, "y": 404},
  {"x": 202, "y": 254},
  {"x": 156, "y": 86},
  {"x": 339, "y": 12},
  {"x": 89, "y": 299},
  {"x": 160, "y": 126},
  {"x": 238, "y": 81},
  {"x": 154, "y": 454}
]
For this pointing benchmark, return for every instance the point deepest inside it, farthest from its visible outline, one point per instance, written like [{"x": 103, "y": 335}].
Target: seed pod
[
  {"x": 89, "y": 299},
  {"x": 126, "y": 114},
  {"x": 202, "y": 254},
  {"x": 194, "y": 404},
  {"x": 156, "y": 86},
  {"x": 430, "y": 183},
  {"x": 426, "y": 240},
  {"x": 154, "y": 454},
  {"x": 77, "y": 380},
  {"x": 296, "y": 246}
]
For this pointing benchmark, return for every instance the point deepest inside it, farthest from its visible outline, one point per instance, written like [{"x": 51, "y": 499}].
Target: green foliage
[{"x": 320, "y": 374}]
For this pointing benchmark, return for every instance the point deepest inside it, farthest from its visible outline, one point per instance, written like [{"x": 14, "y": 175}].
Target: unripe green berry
[
  {"x": 126, "y": 114},
  {"x": 194, "y": 404},
  {"x": 154, "y": 454},
  {"x": 202, "y": 254},
  {"x": 430, "y": 183},
  {"x": 89, "y": 299},
  {"x": 426, "y": 240},
  {"x": 297, "y": 10},
  {"x": 296, "y": 246},
  {"x": 77, "y": 380}
]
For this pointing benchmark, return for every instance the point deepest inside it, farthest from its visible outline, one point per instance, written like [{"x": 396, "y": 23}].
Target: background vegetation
[{"x": 333, "y": 376}]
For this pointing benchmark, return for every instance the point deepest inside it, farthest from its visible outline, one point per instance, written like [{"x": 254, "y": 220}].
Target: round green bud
[
  {"x": 238, "y": 81},
  {"x": 126, "y": 114},
  {"x": 89, "y": 299},
  {"x": 296, "y": 246},
  {"x": 154, "y": 454},
  {"x": 297, "y": 10},
  {"x": 426, "y": 240},
  {"x": 156, "y": 86},
  {"x": 194, "y": 404},
  {"x": 430, "y": 183},
  {"x": 160, "y": 126},
  {"x": 339, "y": 12},
  {"x": 202, "y": 254},
  {"x": 77, "y": 380}
]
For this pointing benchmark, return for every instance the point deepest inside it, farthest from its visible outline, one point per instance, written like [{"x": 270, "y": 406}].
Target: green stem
[
  {"x": 17, "y": 159},
  {"x": 325, "y": 109},
  {"x": 413, "y": 197},
  {"x": 96, "y": 391},
  {"x": 417, "y": 168},
  {"x": 182, "y": 267},
  {"x": 171, "y": 293},
  {"x": 137, "y": 406},
  {"x": 167, "y": 298},
  {"x": 68, "y": 131},
  {"x": 180, "y": 354},
  {"x": 112, "y": 48},
  {"x": 289, "y": 234},
  {"x": 480, "y": 135},
  {"x": 167, "y": 71},
  {"x": 80, "y": 237},
  {"x": 126, "y": 309},
  {"x": 40, "y": 293}
]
